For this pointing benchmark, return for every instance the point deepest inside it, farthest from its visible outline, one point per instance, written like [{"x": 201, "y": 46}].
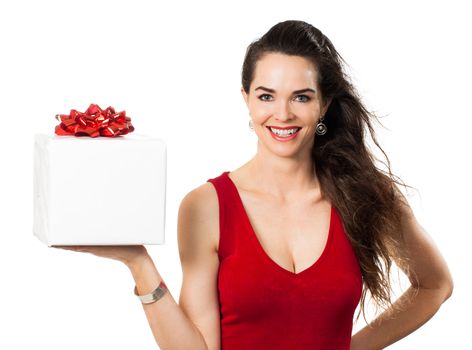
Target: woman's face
[{"x": 284, "y": 94}]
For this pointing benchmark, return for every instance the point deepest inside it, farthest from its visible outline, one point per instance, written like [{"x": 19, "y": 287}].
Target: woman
[{"x": 278, "y": 253}]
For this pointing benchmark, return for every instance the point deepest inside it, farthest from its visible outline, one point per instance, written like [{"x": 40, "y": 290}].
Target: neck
[{"x": 284, "y": 177}]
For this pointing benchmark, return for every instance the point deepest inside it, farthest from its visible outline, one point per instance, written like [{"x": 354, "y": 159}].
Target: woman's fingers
[
  {"x": 69, "y": 247},
  {"x": 80, "y": 248},
  {"x": 125, "y": 253}
]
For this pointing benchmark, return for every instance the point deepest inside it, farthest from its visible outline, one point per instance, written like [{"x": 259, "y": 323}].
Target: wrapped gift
[{"x": 99, "y": 190}]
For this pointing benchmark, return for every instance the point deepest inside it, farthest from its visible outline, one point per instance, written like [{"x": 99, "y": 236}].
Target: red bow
[{"x": 94, "y": 122}]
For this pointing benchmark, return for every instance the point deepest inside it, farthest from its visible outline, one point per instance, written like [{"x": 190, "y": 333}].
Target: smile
[{"x": 283, "y": 134}]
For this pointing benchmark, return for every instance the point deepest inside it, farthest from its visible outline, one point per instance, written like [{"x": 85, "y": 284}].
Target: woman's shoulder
[
  {"x": 199, "y": 209},
  {"x": 202, "y": 198}
]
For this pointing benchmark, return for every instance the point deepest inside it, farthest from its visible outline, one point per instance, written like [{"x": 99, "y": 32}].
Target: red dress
[{"x": 265, "y": 306}]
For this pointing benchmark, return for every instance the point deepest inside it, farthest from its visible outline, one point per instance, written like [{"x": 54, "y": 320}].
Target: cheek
[
  {"x": 261, "y": 112},
  {"x": 306, "y": 111},
  {"x": 262, "y": 108}
]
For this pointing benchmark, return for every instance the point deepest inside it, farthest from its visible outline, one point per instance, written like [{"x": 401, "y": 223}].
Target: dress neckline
[{"x": 258, "y": 244}]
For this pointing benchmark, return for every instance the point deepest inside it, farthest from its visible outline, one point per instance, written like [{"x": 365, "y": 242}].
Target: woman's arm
[
  {"x": 420, "y": 301},
  {"x": 193, "y": 323},
  {"x": 171, "y": 328}
]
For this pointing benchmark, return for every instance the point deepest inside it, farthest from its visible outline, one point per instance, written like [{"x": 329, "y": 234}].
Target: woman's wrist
[
  {"x": 145, "y": 274},
  {"x": 135, "y": 262}
]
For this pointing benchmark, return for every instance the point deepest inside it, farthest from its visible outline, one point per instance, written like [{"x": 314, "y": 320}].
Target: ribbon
[{"x": 94, "y": 122}]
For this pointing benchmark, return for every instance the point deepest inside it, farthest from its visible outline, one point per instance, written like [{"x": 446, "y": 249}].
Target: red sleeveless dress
[{"x": 265, "y": 306}]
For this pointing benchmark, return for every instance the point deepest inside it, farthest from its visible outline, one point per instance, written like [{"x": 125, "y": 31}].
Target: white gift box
[{"x": 99, "y": 191}]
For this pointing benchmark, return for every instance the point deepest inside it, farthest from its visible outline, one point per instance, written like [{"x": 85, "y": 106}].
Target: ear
[
  {"x": 326, "y": 105},
  {"x": 245, "y": 96}
]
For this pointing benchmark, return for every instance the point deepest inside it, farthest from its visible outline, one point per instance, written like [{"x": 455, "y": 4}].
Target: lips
[{"x": 284, "y": 138}]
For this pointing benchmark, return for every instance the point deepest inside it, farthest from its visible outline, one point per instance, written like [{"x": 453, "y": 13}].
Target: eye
[
  {"x": 305, "y": 98},
  {"x": 261, "y": 97}
]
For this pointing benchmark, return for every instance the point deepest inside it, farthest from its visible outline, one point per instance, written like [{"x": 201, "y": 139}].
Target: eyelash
[{"x": 307, "y": 98}]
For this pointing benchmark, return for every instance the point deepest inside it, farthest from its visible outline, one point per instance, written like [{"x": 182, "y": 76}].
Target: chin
[{"x": 283, "y": 151}]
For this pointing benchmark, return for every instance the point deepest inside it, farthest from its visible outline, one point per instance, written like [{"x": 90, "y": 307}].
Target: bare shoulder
[{"x": 200, "y": 206}]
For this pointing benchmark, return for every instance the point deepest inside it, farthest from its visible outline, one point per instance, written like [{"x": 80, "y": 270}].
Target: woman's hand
[{"x": 127, "y": 254}]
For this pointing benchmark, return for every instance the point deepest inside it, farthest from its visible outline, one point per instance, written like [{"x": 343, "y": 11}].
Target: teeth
[{"x": 288, "y": 132}]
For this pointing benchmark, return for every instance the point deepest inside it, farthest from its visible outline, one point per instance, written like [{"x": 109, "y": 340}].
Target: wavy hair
[{"x": 369, "y": 203}]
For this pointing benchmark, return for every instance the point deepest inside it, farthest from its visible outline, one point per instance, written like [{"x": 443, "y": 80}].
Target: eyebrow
[{"x": 295, "y": 92}]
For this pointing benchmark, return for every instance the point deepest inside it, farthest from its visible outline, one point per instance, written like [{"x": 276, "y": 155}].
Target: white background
[{"x": 175, "y": 68}]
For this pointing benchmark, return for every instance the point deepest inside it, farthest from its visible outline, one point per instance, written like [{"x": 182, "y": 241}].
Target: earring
[
  {"x": 251, "y": 125},
  {"x": 321, "y": 128}
]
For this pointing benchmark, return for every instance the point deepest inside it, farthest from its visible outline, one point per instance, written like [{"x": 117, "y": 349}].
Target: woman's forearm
[
  {"x": 171, "y": 328},
  {"x": 417, "y": 307}
]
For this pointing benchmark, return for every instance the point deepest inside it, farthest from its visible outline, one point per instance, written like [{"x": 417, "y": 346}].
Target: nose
[{"x": 283, "y": 112}]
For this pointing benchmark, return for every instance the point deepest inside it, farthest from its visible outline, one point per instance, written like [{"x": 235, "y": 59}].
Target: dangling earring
[
  {"x": 321, "y": 128},
  {"x": 251, "y": 126}
]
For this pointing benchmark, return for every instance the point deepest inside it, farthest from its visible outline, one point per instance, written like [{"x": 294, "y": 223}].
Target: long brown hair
[{"x": 369, "y": 203}]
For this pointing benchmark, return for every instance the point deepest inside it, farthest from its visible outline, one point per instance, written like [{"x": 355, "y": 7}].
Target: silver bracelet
[{"x": 154, "y": 296}]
